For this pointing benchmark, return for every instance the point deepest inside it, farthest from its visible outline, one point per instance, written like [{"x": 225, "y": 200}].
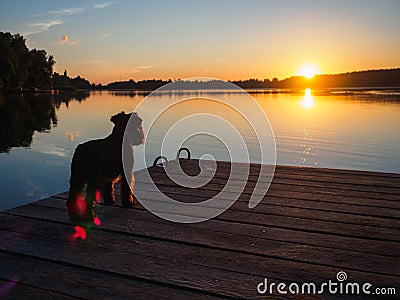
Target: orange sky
[{"x": 120, "y": 40}]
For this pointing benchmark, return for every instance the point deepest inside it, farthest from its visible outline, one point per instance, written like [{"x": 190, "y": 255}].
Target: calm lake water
[{"x": 350, "y": 129}]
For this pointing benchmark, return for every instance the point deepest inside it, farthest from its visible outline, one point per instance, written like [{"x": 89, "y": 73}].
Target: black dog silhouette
[{"x": 97, "y": 164}]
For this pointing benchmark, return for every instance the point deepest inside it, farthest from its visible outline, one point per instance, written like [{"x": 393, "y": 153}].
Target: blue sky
[{"x": 112, "y": 40}]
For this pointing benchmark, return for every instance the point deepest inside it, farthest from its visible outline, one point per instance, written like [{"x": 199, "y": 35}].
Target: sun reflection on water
[{"x": 307, "y": 101}]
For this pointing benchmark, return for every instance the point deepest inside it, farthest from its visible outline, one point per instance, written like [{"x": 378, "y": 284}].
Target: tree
[
  {"x": 22, "y": 61},
  {"x": 7, "y": 60},
  {"x": 21, "y": 67}
]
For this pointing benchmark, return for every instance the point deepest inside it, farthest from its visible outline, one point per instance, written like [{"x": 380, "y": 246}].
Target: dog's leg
[
  {"x": 127, "y": 181},
  {"x": 108, "y": 192},
  {"x": 77, "y": 184},
  {"x": 127, "y": 198},
  {"x": 75, "y": 199},
  {"x": 75, "y": 189},
  {"x": 89, "y": 215}
]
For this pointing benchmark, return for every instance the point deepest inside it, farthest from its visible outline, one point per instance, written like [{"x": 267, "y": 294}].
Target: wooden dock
[{"x": 312, "y": 224}]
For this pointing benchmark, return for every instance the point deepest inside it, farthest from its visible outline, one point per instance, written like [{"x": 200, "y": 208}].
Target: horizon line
[{"x": 257, "y": 79}]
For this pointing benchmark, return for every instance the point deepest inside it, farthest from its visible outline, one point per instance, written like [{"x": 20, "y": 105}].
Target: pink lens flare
[
  {"x": 6, "y": 287},
  {"x": 80, "y": 204},
  {"x": 80, "y": 233},
  {"x": 97, "y": 221},
  {"x": 97, "y": 196}
]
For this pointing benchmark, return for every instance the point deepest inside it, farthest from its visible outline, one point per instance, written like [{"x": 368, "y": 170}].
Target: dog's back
[{"x": 86, "y": 162}]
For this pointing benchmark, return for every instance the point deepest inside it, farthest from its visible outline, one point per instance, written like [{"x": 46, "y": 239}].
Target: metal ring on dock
[
  {"x": 183, "y": 149},
  {"x": 164, "y": 164}
]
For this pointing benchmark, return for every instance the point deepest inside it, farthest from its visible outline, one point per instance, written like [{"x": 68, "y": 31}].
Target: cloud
[
  {"x": 68, "y": 11},
  {"x": 106, "y": 34},
  {"x": 102, "y": 5},
  {"x": 51, "y": 150},
  {"x": 137, "y": 70},
  {"x": 141, "y": 68},
  {"x": 40, "y": 26},
  {"x": 64, "y": 40},
  {"x": 62, "y": 12},
  {"x": 95, "y": 61}
]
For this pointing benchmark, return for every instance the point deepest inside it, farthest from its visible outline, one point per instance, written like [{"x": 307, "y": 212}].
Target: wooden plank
[
  {"x": 339, "y": 175},
  {"x": 361, "y": 178},
  {"x": 357, "y": 178},
  {"x": 15, "y": 290},
  {"x": 361, "y": 205},
  {"x": 164, "y": 254},
  {"x": 242, "y": 204},
  {"x": 353, "y": 179},
  {"x": 218, "y": 182},
  {"x": 294, "y": 235},
  {"x": 237, "y": 242},
  {"x": 383, "y": 217},
  {"x": 279, "y": 202},
  {"x": 344, "y": 173},
  {"x": 331, "y": 197},
  {"x": 53, "y": 277}
]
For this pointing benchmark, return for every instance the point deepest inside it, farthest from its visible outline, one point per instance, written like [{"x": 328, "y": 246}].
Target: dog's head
[
  {"x": 120, "y": 120},
  {"x": 136, "y": 133}
]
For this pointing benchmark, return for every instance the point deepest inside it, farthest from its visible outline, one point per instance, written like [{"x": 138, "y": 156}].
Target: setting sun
[{"x": 308, "y": 71}]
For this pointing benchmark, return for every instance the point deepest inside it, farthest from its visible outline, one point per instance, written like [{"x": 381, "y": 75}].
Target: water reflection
[
  {"x": 66, "y": 98},
  {"x": 72, "y": 135},
  {"x": 308, "y": 151},
  {"x": 21, "y": 116},
  {"x": 307, "y": 101}
]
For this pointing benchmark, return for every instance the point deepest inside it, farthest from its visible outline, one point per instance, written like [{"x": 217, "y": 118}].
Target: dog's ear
[{"x": 115, "y": 118}]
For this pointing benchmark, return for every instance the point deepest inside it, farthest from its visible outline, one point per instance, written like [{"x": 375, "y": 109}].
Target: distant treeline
[
  {"x": 371, "y": 78},
  {"x": 63, "y": 82},
  {"x": 148, "y": 85},
  {"x": 21, "y": 67}
]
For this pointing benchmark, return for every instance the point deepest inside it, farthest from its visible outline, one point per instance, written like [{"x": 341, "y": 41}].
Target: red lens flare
[
  {"x": 97, "y": 221},
  {"x": 80, "y": 233},
  {"x": 97, "y": 196},
  {"x": 80, "y": 205}
]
